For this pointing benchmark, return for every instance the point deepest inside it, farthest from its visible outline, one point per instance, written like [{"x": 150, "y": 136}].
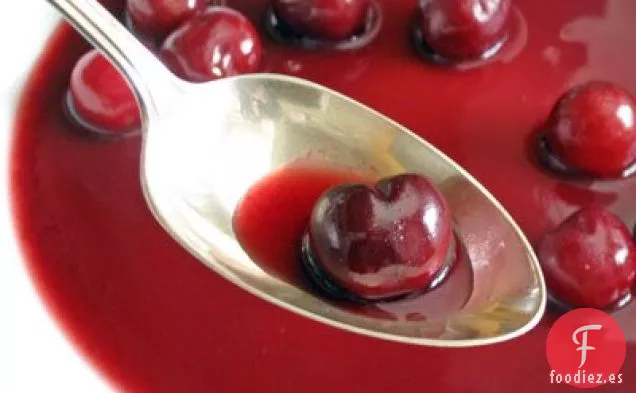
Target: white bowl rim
[{"x": 36, "y": 356}]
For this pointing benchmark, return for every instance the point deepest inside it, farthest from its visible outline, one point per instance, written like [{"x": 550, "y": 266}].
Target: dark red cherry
[
  {"x": 215, "y": 43},
  {"x": 591, "y": 129},
  {"x": 463, "y": 29},
  {"x": 589, "y": 260},
  {"x": 381, "y": 242},
  {"x": 100, "y": 98},
  {"x": 332, "y": 20},
  {"x": 157, "y": 18}
]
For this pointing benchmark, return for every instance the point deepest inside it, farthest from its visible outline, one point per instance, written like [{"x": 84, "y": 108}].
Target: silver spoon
[{"x": 206, "y": 144}]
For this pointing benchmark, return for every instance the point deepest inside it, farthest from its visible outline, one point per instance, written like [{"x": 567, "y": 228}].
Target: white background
[{"x": 34, "y": 355}]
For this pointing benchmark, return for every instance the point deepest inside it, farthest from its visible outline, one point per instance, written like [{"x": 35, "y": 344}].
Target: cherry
[
  {"x": 589, "y": 260},
  {"x": 379, "y": 243},
  {"x": 463, "y": 29},
  {"x": 157, "y": 18},
  {"x": 591, "y": 129},
  {"x": 215, "y": 43},
  {"x": 333, "y": 20},
  {"x": 100, "y": 98}
]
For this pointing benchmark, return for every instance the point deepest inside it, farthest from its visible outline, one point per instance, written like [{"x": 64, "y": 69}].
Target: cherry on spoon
[{"x": 205, "y": 145}]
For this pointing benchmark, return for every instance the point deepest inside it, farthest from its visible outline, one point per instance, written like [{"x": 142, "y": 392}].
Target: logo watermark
[{"x": 585, "y": 349}]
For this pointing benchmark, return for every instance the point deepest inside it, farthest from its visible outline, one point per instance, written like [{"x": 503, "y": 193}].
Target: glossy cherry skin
[
  {"x": 100, "y": 98},
  {"x": 592, "y": 130},
  {"x": 589, "y": 260},
  {"x": 331, "y": 20},
  {"x": 158, "y": 18},
  {"x": 215, "y": 43},
  {"x": 463, "y": 29},
  {"x": 384, "y": 241}
]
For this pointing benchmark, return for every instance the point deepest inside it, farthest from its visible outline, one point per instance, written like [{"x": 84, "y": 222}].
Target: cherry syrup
[{"x": 270, "y": 223}]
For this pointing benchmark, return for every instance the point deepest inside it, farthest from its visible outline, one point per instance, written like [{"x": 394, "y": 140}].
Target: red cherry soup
[
  {"x": 272, "y": 217},
  {"x": 152, "y": 318}
]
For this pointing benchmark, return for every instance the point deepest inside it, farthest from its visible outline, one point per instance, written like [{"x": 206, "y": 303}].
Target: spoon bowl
[{"x": 206, "y": 144}]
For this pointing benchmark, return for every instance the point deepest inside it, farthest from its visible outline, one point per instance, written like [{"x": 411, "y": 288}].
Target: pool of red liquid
[
  {"x": 153, "y": 319},
  {"x": 272, "y": 217}
]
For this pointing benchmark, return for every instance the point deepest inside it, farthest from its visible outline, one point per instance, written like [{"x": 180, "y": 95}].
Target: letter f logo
[{"x": 583, "y": 344}]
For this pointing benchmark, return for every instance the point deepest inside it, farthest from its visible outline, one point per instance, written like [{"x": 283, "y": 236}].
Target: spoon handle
[{"x": 154, "y": 85}]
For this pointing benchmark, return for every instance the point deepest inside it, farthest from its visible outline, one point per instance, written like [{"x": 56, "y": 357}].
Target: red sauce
[
  {"x": 283, "y": 200},
  {"x": 270, "y": 221},
  {"x": 152, "y": 318}
]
